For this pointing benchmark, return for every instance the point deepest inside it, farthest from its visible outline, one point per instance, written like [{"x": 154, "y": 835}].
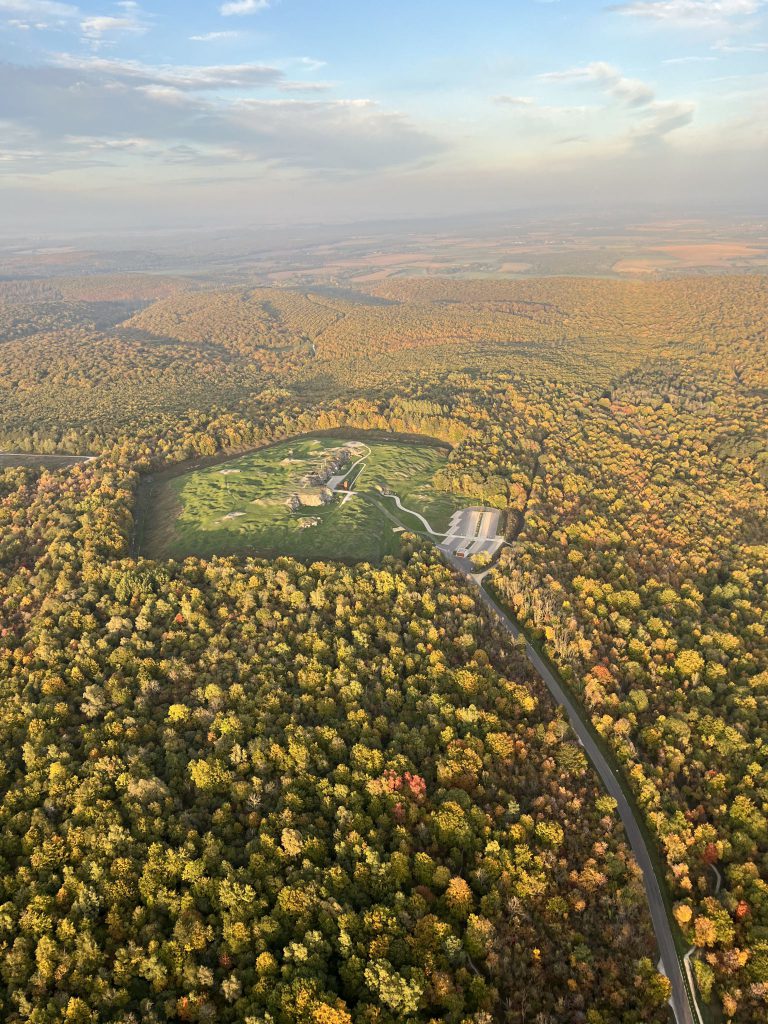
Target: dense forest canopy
[{"x": 269, "y": 791}]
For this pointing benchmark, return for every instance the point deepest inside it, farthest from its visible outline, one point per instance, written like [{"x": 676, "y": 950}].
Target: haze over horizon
[{"x": 126, "y": 115}]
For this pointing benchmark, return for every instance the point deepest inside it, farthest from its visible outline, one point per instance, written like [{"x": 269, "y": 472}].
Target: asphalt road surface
[{"x": 680, "y": 1001}]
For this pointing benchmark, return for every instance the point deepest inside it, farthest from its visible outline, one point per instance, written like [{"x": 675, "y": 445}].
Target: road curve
[
  {"x": 681, "y": 1001},
  {"x": 395, "y": 497},
  {"x": 410, "y": 511}
]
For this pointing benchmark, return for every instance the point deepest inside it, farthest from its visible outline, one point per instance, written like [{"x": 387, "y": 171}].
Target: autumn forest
[{"x": 240, "y": 789}]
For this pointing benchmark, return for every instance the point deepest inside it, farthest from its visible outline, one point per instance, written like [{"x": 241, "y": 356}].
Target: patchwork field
[
  {"x": 312, "y": 498},
  {"x": 721, "y": 256}
]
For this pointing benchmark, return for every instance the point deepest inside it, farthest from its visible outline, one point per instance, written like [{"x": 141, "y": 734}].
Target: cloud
[
  {"x": 305, "y": 86},
  {"x": 535, "y": 123},
  {"x": 114, "y": 101},
  {"x": 97, "y": 27},
  {"x": 336, "y": 134},
  {"x": 180, "y": 77},
  {"x": 531, "y": 108},
  {"x": 192, "y": 78},
  {"x": 311, "y": 62},
  {"x": 515, "y": 101},
  {"x": 663, "y": 118},
  {"x": 211, "y": 37},
  {"x": 39, "y": 8},
  {"x": 164, "y": 93},
  {"x": 238, "y": 7},
  {"x": 651, "y": 119},
  {"x": 690, "y": 13},
  {"x": 724, "y": 47},
  {"x": 609, "y": 79},
  {"x": 688, "y": 60}
]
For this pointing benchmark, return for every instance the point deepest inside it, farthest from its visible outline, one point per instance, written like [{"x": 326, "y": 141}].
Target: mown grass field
[
  {"x": 240, "y": 506},
  {"x": 34, "y": 461}
]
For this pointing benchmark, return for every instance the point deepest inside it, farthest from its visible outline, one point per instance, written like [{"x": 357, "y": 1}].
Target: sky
[{"x": 165, "y": 113}]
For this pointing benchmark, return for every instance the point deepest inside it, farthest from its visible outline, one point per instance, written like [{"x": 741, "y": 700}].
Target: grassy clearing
[
  {"x": 240, "y": 506},
  {"x": 33, "y": 461}
]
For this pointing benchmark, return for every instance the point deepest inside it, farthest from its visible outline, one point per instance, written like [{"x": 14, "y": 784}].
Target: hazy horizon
[{"x": 121, "y": 116}]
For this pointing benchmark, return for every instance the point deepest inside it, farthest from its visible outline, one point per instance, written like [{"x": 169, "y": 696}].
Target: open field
[
  {"x": 346, "y": 257},
  {"x": 10, "y": 460},
  {"x": 722, "y": 256},
  {"x": 241, "y": 506}
]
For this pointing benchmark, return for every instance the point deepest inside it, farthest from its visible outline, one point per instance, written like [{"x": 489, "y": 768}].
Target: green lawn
[{"x": 188, "y": 514}]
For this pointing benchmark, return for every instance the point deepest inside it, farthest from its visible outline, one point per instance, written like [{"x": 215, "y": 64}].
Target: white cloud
[
  {"x": 311, "y": 63},
  {"x": 651, "y": 118},
  {"x": 691, "y": 13},
  {"x": 661, "y": 118},
  {"x": 99, "y": 28},
  {"x": 515, "y": 101},
  {"x": 39, "y": 8},
  {"x": 165, "y": 78},
  {"x": 101, "y": 25},
  {"x": 608, "y": 79},
  {"x": 212, "y": 37},
  {"x": 165, "y": 93},
  {"x": 243, "y": 7},
  {"x": 533, "y": 123},
  {"x": 105, "y": 143},
  {"x": 188, "y": 115},
  {"x": 193, "y": 78},
  {"x": 305, "y": 86},
  {"x": 688, "y": 60},
  {"x": 741, "y": 48}
]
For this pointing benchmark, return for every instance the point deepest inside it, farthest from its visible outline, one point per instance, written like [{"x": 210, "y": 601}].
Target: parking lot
[{"x": 473, "y": 531}]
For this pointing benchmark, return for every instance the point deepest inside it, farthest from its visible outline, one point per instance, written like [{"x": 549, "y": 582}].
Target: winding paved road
[
  {"x": 418, "y": 515},
  {"x": 395, "y": 497},
  {"x": 682, "y": 1000},
  {"x": 686, "y": 1012}
]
